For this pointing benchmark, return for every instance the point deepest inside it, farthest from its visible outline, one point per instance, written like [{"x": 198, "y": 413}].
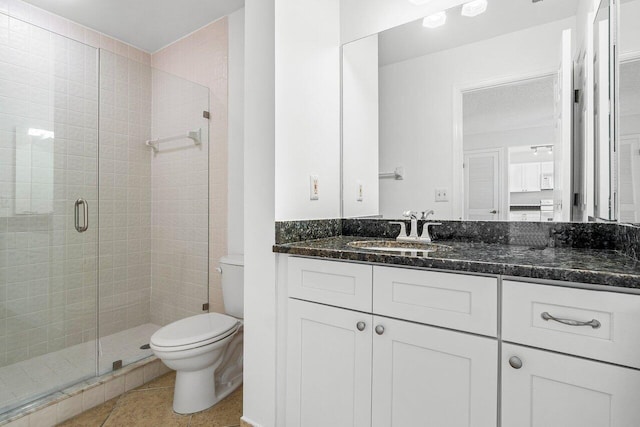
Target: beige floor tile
[
  {"x": 224, "y": 414},
  {"x": 147, "y": 407},
  {"x": 94, "y": 417},
  {"x": 165, "y": 381}
]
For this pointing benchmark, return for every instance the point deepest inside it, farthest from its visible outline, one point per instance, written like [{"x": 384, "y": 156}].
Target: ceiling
[
  {"x": 500, "y": 108},
  {"x": 145, "y": 24},
  {"x": 502, "y": 17}
]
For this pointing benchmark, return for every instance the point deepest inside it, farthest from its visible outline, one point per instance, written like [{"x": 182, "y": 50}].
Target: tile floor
[
  {"x": 151, "y": 405},
  {"x": 32, "y": 378}
]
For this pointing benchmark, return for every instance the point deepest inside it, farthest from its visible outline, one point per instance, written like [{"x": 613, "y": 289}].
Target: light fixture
[
  {"x": 419, "y": 2},
  {"x": 474, "y": 8},
  {"x": 535, "y": 151},
  {"x": 550, "y": 150},
  {"x": 436, "y": 20}
]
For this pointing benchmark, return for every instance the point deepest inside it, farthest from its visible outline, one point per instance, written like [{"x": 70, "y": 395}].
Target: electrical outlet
[
  {"x": 442, "y": 195},
  {"x": 314, "y": 191},
  {"x": 360, "y": 191}
]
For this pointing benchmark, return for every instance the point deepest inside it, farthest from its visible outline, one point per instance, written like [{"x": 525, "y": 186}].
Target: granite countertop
[{"x": 593, "y": 266}]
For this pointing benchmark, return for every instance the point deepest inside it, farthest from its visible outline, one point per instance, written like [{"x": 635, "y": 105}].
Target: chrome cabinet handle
[
  {"x": 593, "y": 322},
  {"x": 361, "y": 326},
  {"x": 85, "y": 215},
  {"x": 493, "y": 212},
  {"x": 515, "y": 362},
  {"x": 379, "y": 329}
]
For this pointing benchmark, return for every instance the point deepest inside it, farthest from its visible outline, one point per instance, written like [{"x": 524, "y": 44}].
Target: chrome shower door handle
[{"x": 85, "y": 215}]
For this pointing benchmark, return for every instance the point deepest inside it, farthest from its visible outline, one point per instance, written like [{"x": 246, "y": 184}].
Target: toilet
[{"x": 205, "y": 350}]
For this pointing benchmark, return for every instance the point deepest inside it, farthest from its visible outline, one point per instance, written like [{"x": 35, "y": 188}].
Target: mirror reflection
[
  {"x": 468, "y": 116},
  {"x": 629, "y": 112}
]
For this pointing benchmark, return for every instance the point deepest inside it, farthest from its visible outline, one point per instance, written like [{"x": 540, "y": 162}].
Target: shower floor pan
[{"x": 34, "y": 378}]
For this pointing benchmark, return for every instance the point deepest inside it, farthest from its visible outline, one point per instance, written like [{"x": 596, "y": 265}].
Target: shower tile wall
[
  {"x": 48, "y": 159},
  {"x": 180, "y": 183},
  {"x": 125, "y": 193}
]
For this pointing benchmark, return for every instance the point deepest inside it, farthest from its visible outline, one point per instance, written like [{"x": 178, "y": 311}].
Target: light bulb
[
  {"x": 474, "y": 8},
  {"x": 436, "y": 20},
  {"x": 535, "y": 151}
]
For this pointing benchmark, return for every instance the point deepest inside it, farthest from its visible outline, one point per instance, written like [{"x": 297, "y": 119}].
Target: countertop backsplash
[{"x": 623, "y": 238}]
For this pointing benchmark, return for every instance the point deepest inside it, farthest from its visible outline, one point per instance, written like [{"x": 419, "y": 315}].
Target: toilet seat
[{"x": 194, "y": 331}]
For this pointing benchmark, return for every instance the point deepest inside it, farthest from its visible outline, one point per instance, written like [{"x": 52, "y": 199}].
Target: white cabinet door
[
  {"x": 555, "y": 390},
  {"x": 328, "y": 366},
  {"x": 516, "y": 185},
  {"x": 531, "y": 176},
  {"x": 426, "y": 376}
]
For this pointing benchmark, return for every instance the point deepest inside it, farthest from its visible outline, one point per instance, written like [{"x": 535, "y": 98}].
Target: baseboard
[{"x": 245, "y": 422}]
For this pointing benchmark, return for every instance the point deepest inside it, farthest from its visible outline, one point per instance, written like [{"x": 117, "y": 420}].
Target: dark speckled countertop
[{"x": 578, "y": 265}]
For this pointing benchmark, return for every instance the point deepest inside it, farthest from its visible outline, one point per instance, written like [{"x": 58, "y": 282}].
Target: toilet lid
[{"x": 194, "y": 329}]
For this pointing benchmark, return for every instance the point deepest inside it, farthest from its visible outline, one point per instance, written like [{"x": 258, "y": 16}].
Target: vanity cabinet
[
  {"x": 359, "y": 368},
  {"x": 371, "y": 345},
  {"x": 541, "y": 387}
]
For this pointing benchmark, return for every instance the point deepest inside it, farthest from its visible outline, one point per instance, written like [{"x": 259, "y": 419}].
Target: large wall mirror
[
  {"x": 628, "y": 112},
  {"x": 470, "y": 113}
]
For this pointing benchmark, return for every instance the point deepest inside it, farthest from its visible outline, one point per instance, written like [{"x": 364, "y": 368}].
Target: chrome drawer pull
[{"x": 593, "y": 322}]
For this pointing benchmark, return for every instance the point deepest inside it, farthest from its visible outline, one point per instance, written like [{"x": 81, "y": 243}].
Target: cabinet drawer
[
  {"x": 456, "y": 301},
  {"x": 329, "y": 282},
  {"x": 614, "y": 339}
]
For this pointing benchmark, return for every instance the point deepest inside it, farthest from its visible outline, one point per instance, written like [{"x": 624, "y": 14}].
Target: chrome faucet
[{"x": 425, "y": 237}]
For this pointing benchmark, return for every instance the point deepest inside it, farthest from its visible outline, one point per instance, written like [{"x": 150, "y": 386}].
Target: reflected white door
[
  {"x": 482, "y": 184},
  {"x": 564, "y": 127},
  {"x": 629, "y": 186}
]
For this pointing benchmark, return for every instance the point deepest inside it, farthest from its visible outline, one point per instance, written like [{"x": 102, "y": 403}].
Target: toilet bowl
[
  {"x": 195, "y": 347},
  {"x": 205, "y": 350}
]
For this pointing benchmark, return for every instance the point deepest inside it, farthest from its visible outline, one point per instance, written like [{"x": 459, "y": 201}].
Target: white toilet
[{"x": 206, "y": 349}]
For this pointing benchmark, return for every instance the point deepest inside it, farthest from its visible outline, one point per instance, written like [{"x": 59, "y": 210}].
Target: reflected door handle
[
  {"x": 493, "y": 212},
  {"x": 85, "y": 215}
]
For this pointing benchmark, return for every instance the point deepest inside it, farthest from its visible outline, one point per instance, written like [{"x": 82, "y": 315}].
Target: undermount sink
[{"x": 395, "y": 246}]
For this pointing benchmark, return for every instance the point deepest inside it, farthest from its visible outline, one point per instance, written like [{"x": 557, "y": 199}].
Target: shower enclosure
[{"x": 103, "y": 209}]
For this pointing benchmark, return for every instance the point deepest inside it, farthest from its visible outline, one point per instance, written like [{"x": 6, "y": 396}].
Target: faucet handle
[
  {"x": 425, "y": 214},
  {"x": 425, "y": 236},
  {"x": 403, "y": 228},
  {"x": 410, "y": 214}
]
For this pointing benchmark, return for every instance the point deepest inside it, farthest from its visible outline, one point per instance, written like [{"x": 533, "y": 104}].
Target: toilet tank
[{"x": 232, "y": 269}]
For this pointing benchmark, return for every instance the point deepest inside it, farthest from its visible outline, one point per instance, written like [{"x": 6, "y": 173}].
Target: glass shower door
[{"x": 48, "y": 212}]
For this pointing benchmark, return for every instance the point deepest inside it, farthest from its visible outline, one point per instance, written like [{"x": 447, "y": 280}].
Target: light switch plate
[{"x": 442, "y": 195}]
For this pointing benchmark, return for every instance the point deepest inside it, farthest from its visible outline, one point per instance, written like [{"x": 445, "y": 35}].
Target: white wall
[
  {"x": 259, "y": 271},
  {"x": 308, "y": 108},
  {"x": 235, "y": 217},
  {"x": 416, "y": 109},
  {"x": 360, "y": 126},
  {"x": 361, "y": 18}
]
